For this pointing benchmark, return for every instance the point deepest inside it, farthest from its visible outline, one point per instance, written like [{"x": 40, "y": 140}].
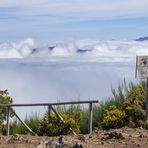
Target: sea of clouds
[
  {"x": 66, "y": 70},
  {"x": 89, "y": 49}
]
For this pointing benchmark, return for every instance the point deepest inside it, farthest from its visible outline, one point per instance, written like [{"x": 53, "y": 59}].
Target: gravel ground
[{"x": 123, "y": 138}]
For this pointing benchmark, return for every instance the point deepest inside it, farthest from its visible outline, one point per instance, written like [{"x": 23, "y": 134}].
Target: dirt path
[{"x": 122, "y": 138}]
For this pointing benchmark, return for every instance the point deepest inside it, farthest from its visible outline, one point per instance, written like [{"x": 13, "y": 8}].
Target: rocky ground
[{"x": 124, "y": 137}]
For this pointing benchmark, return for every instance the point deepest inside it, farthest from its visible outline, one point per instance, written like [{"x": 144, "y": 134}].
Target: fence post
[
  {"x": 7, "y": 118},
  {"x": 49, "y": 112},
  {"x": 90, "y": 118}
]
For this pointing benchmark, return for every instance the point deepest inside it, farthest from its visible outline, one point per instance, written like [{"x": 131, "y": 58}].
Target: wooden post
[
  {"x": 147, "y": 101},
  {"x": 7, "y": 118},
  {"x": 90, "y": 119}
]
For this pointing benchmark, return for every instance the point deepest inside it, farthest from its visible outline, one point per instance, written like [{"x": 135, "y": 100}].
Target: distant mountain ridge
[{"x": 142, "y": 39}]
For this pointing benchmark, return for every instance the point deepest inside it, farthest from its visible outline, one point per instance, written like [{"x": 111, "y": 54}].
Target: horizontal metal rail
[{"x": 47, "y": 104}]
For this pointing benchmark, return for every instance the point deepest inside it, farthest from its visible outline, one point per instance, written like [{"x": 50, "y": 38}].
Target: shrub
[
  {"x": 134, "y": 105},
  {"x": 128, "y": 106},
  {"x": 1, "y": 125},
  {"x": 55, "y": 126},
  {"x": 32, "y": 121},
  {"x": 79, "y": 115},
  {"x": 113, "y": 118},
  {"x": 120, "y": 94},
  {"x": 75, "y": 112},
  {"x": 98, "y": 111},
  {"x": 4, "y": 99}
]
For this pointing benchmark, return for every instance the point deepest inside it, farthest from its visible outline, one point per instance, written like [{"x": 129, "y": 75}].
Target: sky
[{"x": 78, "y": 19}]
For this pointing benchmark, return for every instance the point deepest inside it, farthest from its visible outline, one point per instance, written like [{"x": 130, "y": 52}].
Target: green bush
[
  {"x": 134, "y": 105},
  {"x": 98, "y": 111},
  {"x": 79, "y": 115},
  {"x": 32, "y": 121},
  {"x": 113, "y": 118},
  {"x": 1, "y": 125},
  {"x": 55, "y": 126},
  {"x": 75, "y": 112},
  {"x": 4, "y": 99}
]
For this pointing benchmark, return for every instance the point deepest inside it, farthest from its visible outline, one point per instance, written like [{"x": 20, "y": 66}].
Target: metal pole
[
  {"x": 49, "y": 112},
  {"x": 90, "y": 118},
  {"x": 147, "y": 101},
  {"x": 23, "y": 123},
  {"x": 46, "y": 104},
  {"x": 8, "y": 124}
]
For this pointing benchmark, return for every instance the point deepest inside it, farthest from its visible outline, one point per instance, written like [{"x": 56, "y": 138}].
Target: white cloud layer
[{"x": 75, "y": 49}]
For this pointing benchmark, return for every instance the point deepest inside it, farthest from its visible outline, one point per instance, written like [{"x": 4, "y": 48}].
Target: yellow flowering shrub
[
  {"x": 134, "y": 105},
  {"x": 113, "y": 118},
  {"x": 55, "y": 126}
]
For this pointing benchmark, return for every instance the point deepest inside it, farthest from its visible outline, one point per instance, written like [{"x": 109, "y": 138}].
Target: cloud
[
  {"x": 89, "y": 50},
  {"x": 76, "y": 10}
]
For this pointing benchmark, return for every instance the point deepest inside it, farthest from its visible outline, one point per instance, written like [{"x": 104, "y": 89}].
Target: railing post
[
  {"x": 90, "y": 119},
  {"x": 49, "y": 112},
  {"x": 7, "y": 118}
]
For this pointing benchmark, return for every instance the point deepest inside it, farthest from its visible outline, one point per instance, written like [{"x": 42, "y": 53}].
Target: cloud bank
[{"x": 74, "y": 49}]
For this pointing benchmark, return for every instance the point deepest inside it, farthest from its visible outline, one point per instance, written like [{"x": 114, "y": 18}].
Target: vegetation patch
[{"x": 126, "y": 107}]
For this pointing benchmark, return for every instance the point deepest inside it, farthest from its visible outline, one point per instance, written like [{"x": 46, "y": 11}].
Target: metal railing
[{"x": 50, "y": 107}]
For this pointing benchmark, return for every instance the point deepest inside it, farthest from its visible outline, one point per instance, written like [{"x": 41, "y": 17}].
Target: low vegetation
[
  {"x": 126, "y": 107},
  {"x": 54, "y": 126},
  {"x": 4, "y": 99},
  {"x": 32, "y": 121}
]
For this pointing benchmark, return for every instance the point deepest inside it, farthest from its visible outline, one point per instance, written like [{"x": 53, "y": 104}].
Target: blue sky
[{"x": 79, "y": 19}]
